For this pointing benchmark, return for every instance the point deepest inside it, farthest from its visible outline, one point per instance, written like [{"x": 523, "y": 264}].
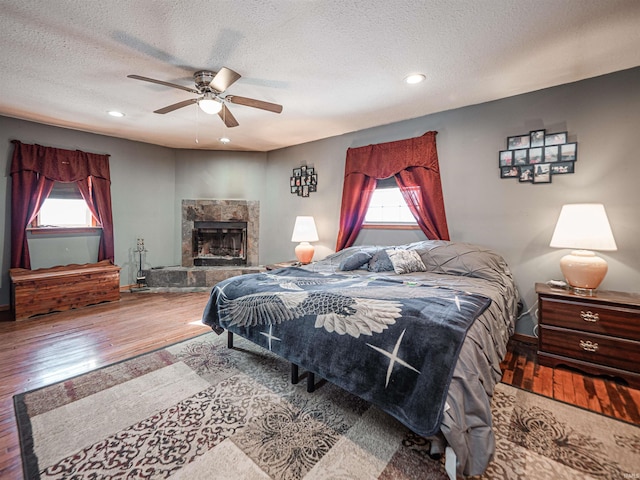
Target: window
[
  {"x": 387, "y": 206},
  {"x": 65, "y": 208}
]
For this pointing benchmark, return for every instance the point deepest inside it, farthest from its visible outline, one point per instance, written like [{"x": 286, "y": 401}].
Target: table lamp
[
  {"x": 583, "y": 227},
  {"x": 304, "y": 231}
]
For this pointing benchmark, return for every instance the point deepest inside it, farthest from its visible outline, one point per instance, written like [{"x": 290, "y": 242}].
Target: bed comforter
[{"x": 389, "y": 338}]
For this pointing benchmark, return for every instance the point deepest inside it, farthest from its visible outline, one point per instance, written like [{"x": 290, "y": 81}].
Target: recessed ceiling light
[
  {"x": 225, "y": 140},
  {"x": 415, "y": 78},
  {"x": 114, "y": 113}
]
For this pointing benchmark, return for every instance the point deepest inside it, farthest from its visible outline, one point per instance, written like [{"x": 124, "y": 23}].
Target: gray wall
[
  {"x": 517, "y": 220},
  {"x": 219, "y": 175},
  {"x": 602, "y": 114},
  {"x": 142, "y": 191}
]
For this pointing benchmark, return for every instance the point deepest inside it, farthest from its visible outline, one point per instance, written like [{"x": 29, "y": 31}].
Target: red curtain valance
[
  {"x": 384, "y": 160},
  {"x": 414, "y": 163},
  {"x": 59, "y": 164},
  {"x": 34, "y": 169}
]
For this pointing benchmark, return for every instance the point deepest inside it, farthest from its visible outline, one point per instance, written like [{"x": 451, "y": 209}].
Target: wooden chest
[
  {"x": 599, "y": 334},
  {"x": 56, "y": 289}
]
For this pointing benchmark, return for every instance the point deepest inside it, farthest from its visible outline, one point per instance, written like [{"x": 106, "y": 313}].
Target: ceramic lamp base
[
  {"x": 304, "y": 252},
  {"x": 584, "y": 271}
]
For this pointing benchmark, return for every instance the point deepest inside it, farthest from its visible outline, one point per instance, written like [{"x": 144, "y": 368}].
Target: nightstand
[{"x": 599, "y": 334}]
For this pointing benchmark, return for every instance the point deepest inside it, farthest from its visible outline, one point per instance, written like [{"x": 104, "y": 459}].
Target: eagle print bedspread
[{"x": 391, "y": 342}]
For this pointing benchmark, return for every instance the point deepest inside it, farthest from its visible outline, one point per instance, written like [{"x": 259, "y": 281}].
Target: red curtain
[
  {"x": 414, "y": 163},
  {"x": 34, "y": 169}
]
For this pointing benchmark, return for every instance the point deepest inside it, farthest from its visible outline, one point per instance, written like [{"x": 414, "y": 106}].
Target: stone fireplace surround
[{"x": 206, "y": 210}]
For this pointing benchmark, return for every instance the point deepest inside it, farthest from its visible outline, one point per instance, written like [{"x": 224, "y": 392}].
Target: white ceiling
[{"x": 335, "y": 65}]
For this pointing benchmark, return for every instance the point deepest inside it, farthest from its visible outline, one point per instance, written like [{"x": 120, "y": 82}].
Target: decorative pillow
[
  {"x": 380, "y": 262},
  {"x": 355, "y": 261},
  {"x": 406, "y": 261}
]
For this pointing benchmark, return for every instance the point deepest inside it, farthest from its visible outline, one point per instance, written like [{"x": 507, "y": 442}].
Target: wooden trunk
[{"x": 56, "y": 289}]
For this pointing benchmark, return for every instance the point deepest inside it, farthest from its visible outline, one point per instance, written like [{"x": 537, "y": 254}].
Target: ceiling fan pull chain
[{"x": 197, "y": 125}]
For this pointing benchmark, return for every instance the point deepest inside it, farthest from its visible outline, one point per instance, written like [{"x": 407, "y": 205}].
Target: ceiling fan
[{"x": 211, "y": 87}]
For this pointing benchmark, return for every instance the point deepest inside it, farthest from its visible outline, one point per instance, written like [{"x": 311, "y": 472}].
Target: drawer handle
[
  {"x": 589, "y": 316},
  {"x": 589, "y": 346}
]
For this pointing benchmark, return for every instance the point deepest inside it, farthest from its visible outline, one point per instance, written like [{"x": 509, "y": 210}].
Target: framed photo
[
  {"x": 569, "y": 152},
  {"x": 297, "y": 172},
  {"x": 310, "y": 170},
  {"x": 561, "y": 168},
  {"x": 312, "y": 188},
  {"x": 294, "y": 189},
  {"x": 555, "y": 138},
  {"x": 505, "y": 158},
  {"x": 509, "y": 172},
  {"x": 536, "y": 138},
  {"x": 551, "y": 154},
  {"x": 521, "y": 157},
  {"x": 305, "y": 191},
  {"x": 526, "y": 173},
  {"x": 535, "y": 155},
  {"x": 519, "y": 141},
  {"x": 303, "y": 170},
  {"x": 542, "y": 173},
  {"x": 314, "y": 179}
]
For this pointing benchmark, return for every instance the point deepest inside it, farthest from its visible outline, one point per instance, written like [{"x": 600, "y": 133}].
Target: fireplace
[
  {"x": 220, "y": 233},
  {"x": 219, "y": 243}
]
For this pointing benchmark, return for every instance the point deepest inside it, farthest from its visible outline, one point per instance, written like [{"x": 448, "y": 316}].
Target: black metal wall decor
[
  {"x": 537, "y": 157},
  {"x": 304, "y": 181}
]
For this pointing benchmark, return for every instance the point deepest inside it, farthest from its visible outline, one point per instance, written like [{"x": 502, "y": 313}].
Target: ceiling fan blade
[
  {"x": 176, "y": 106},
  {"x": 228, "y": 119},
  {"x": 160, "y": 82},
  {"x": 252, "y": 102},
  {"x": 224, "y": 79}
]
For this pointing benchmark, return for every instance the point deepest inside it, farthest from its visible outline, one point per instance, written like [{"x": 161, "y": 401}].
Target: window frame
[
  {"x": 62, "y": 190},
  {"x": 388, "y": 183}
]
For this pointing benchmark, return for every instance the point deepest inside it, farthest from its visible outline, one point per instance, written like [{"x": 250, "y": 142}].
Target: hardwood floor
[{"x": 44, "y": 350}]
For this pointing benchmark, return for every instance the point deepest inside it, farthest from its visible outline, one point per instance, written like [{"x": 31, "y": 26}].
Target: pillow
[
  {"x": 380, "y": 262},
  {"x": 355, "y": 261},
  {"x": 463, "y": 259},
  {"x": 406, "y": 261}
]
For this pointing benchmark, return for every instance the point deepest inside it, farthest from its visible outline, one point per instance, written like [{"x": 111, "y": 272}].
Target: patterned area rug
[{"x": 198, "y": 410}]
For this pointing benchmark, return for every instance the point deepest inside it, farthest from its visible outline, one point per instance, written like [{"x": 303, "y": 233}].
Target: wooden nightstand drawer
[
  {"x": 593, "y": 348},
  {"x": 590, "y": 317}
]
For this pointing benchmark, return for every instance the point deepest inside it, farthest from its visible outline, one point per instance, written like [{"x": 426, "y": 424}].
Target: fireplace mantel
[{"x": 206, "y": 210}]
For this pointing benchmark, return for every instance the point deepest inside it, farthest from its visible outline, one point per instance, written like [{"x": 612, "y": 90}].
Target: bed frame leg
[
  {"x": 229, "y": 339},
  {"x": 311, "y": 382},
  {"x": 294, "y": 374}
]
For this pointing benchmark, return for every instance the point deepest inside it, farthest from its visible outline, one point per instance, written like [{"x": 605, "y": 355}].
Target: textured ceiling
[{"x": 335, "y": 66}]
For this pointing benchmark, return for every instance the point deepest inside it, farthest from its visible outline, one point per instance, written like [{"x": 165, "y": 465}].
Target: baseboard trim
[{"x": 521, "y": 337}]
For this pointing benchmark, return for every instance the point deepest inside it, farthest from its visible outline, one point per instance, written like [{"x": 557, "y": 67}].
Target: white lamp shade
[
  {"x": 583, "y": 226},
  {"x": 304, "y": 230}
]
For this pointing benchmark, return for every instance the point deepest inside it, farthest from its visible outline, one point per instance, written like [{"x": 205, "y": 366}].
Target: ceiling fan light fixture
[{"x": 210, "y": 105}]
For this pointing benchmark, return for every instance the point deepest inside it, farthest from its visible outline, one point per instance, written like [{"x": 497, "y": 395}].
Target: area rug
[{"x": 198, "y": 410}]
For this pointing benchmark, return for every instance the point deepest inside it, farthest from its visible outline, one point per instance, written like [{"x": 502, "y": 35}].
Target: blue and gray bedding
[{"x": 418, "y": 329}]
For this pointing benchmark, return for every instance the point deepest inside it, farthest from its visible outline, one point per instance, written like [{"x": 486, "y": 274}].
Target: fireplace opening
[{"x": 219, "y": 243}]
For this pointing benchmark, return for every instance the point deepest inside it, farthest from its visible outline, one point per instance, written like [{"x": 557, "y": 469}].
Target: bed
[{"x": 419, "y": 330}]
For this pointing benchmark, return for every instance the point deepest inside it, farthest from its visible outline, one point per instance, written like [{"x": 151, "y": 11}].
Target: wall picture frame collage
[
  {"x": 537, "y": 157},
  {"x": 303, "y": 181}
]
